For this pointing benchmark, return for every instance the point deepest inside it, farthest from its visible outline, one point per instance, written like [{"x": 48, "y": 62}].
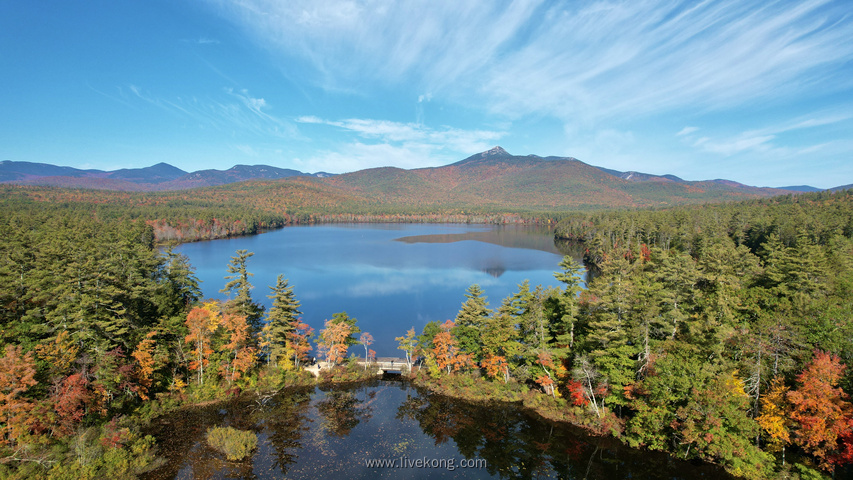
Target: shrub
[{"x": 235, "y": 444}]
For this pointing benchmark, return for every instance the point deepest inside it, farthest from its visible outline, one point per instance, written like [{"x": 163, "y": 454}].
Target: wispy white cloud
[
  {"x": 574, "y": 60},
  {"x": 245, "y": 115},
  {"x": 770, "y": 139},
  {"x": 739, "y": 144},
  {"x": 358, "y": 155},
  {"x": 406, "y": 145},
  {"x": 202, "y": 41}
]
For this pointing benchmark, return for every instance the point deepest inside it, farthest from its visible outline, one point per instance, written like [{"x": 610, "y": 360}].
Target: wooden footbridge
[
  {"x": 387, "y": 364},
  {"x": 381, "y": 364}
]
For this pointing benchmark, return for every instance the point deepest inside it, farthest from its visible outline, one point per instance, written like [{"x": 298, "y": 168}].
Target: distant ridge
[
  {"x": 801, "y": 188},
  {"x": 159, "y": 173},
  {"x": 496, "y": 179},
  {"x": 161, "y": 176},
  {"x": 493, "y": 179}
]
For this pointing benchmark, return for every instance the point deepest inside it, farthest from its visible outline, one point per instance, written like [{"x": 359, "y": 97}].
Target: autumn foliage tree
[
  {"x": 145, "y": 363},
  {"x": 407, "y": 344},
  {"x": 240, "y": 354},
  {"x": 17, "y": 375},
  {"x": 70, "y": 399},
  {"x": 496, "y": 366},
  {"x": 59, "y": 354},
  {"x": 820, "y": 408},
  {"x": 446, "y": 350},
  {"x": 775, "y": 417},
  {"x": 202, "y": 322},
  {"x": 334, "y": 341},
  {"x": 297, "y": 341}
]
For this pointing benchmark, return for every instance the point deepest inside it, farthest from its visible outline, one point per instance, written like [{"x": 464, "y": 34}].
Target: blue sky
[{"x": 757, "y": 92}]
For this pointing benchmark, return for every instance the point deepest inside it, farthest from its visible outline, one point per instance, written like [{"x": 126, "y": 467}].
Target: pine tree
[
  {"x": 238, "y": 284},
  {"x": 281, "y": 319},
  {"x": 470, "y": 321},
  {"x": 568, "y": 311}
]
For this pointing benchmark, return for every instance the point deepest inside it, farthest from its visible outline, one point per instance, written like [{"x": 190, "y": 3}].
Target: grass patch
[{"x": 235, "y": 444}]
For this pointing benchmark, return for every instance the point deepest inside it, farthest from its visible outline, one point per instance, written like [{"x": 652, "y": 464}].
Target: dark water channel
[{"x": 333, "y": 432}]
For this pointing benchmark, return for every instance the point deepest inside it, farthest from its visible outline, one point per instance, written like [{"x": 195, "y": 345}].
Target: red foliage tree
[
  {"x": 577, "y": 393},
  {"x": 820, "y": 408},
  {"x": 70, "y": 400}
]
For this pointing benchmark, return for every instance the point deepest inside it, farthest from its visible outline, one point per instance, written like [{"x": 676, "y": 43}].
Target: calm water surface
[
  {"x": 390, "y": 277},
  {"x": 332, "y": 433}
]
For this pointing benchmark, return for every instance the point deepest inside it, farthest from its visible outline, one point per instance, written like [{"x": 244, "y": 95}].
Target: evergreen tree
[
  {"x": 238, "y": 284},
  {"x": 179, "y": 287},
  {"x": 470, "y": 321},
  {"x": 282, "y": 319},
  {"x": 567, "y": 313},
  {"x": 608, "y": 341}
]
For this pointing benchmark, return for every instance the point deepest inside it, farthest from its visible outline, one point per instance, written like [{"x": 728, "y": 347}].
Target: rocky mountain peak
[{"x": 497, "y": 151}]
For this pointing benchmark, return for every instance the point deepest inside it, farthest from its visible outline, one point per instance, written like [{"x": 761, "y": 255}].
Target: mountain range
[
  {"x": 494, "y": 178},
  {"x": 161, "y": 176}
]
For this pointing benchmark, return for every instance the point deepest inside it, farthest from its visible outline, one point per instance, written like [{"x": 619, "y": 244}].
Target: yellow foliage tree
[
  {"x": 145, "y": 363},
  {"x": 775, "y": 418},
  {"x": 58, "y": 354}
]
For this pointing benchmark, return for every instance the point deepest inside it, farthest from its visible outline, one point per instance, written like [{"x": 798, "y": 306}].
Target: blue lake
[{"x": 390, "y": 277}]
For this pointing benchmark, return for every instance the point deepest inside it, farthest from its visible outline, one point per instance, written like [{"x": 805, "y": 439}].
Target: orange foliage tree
[
  {"x": 820, "y": 408},
  {"x": 145, "y": 363},
  {"x": 297, "y": 341},
  {"x": 17, "y": 372},
  {"x": 333, "y": 341},
  {"x": 70, "y": 401},
  {"x": 202, "y": 322},
  {"x": 496, "y": 366},
  {"x": 58, "y": 354},
  {"x": 241, "y": 356},
  {"x": 546, "y": 361},
  {"x": 446, "y": 350}
]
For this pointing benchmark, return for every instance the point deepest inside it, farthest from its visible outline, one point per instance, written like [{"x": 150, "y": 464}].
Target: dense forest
[
  {"x": 244, "y": 209},
  {"x": 717, "y": 332}
]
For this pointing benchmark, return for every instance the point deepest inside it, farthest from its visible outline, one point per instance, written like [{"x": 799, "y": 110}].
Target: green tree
[
  {"x": 408, "y": 343},
  {"x": 282, "y": 319},
  {"x": 470, "y": 321},
  {"x": 568, "y": 312},
  {"x": 239, "y": 286}
]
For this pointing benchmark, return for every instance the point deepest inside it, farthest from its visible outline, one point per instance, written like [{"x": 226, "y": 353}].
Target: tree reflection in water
[
  {"x": 342, "y": 411},
  {"x": 329, "y": 432}
]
